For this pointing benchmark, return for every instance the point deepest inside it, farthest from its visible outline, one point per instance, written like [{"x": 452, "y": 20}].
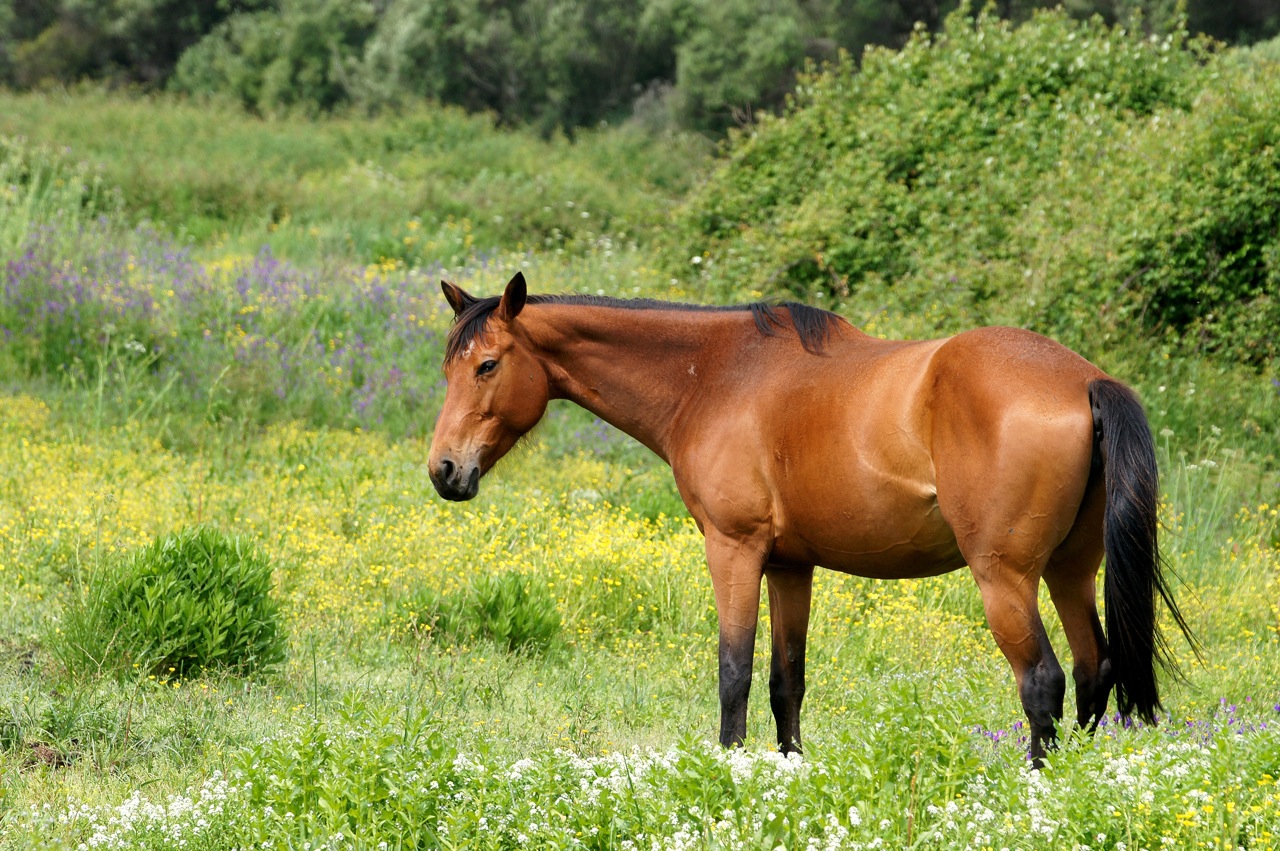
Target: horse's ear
[
  {"x": 513, "y": 298},
  {"x": 457, "y": 297}
]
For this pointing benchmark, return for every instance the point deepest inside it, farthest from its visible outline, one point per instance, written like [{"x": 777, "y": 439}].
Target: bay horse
[{"x": 796, "y": 440}]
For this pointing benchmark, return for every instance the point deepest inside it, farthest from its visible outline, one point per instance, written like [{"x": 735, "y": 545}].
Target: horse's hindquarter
[{"x": 1012, "y": 442}]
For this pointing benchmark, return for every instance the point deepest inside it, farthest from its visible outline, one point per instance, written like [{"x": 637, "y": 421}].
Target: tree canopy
[{"x": 699, "y": 64}]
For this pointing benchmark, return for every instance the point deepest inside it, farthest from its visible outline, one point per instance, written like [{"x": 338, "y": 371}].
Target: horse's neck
[{"x": 632, "y": 368}]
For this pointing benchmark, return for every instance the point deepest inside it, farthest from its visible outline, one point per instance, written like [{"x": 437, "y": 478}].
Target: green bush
[
  {"x": 1052, "y": 174},
  {"x": 917, "y": 138},
  {"x": 515, "y": 611},
  {"x": 1210, "y": 264},
  {"x": 298, "y": 58},
  {"x": 191, "y": 601},
  {"x": 123, "y": 41},
  {"x": 741, "y": 57},
  {"x": 509, "y": 609},
  {"x": 550, "y": 63}
]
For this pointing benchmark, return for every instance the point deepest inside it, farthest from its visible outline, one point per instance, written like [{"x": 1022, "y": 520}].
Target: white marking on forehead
[{"x": 471, "y": 347}]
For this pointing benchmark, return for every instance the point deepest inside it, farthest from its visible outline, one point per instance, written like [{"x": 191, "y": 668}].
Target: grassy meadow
[{"x": 216, "y": 321}]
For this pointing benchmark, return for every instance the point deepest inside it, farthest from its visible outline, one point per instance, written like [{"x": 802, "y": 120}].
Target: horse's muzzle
[{"x": 456, "y": 482}]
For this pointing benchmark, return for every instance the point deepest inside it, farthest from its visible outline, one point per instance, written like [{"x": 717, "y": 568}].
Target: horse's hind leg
[
  {"x": 1072, "y": 575},
  {"x": 790, "y": 593},
  {"x": 1009, "y": 598},
  {"x": 1073, "y": 595}
]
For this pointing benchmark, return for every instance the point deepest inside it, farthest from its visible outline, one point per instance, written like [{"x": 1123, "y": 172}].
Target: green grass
[
  {"x": 424, "y": 187},
  {"x": 603, "y": 735},
  {"x": 39, "y": 185},
  {"x": 401, "y": 714}
]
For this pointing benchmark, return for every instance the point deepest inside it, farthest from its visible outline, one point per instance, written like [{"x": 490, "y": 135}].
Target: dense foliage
[
  {"x": 705, "y": 64},
  {"x": 1073, "y": 177},
  {"x": 193, "y": 600}
]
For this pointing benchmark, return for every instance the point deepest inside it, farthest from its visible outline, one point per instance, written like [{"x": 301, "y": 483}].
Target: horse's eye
[{"x": 486, "y": 367}]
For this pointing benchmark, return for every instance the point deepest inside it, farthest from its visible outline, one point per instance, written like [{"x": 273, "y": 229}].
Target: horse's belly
[{"x": 904, "y": 540}]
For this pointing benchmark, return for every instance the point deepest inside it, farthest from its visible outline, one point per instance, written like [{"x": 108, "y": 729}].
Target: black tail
[{"x": 1134, "y": 577}]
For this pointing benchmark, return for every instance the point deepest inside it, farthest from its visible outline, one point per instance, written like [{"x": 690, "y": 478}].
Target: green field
[{"x": 212, "y": 320}]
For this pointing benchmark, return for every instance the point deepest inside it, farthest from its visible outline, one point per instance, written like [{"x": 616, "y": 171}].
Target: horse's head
[{"x": 497, "y": 389}]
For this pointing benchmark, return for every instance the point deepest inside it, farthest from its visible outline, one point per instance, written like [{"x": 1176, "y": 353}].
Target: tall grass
[
  {"x": 40, "y": 185},
  {"x": 423, "y": 187}
]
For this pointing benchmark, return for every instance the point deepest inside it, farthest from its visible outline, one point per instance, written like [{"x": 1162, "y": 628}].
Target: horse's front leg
[
  {"x": 790, "y": 592},
  {"x": 736, "y": 567}
]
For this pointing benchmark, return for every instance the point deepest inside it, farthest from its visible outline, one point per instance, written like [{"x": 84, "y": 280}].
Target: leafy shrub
[
  {"x": 884, "y": 139},
  {"x": 193, "y": 600},
  {"x": 509, "y": 609},
  {"x": 742, "y": 56},
  {"x": 271, "y": 62},
  {"x": 1047, "y": 174},
  {"x": 123, "y": 41},
  {"x": 551, "y": 63},
  {"x": 515, "y": 611},
  {"x": 1210, "y": 263}
]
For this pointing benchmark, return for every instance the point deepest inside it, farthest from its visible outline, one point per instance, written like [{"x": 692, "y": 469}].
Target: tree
[
  {"x": 134, "y": 41},
  {"x": 298, "y": 58}
]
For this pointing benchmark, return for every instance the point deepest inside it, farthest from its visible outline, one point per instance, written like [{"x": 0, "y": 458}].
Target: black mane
[{"x": 812, "y": 324}]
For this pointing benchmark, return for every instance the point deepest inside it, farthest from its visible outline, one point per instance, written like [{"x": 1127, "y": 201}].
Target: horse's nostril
[{"x": 454, "y": 481}]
